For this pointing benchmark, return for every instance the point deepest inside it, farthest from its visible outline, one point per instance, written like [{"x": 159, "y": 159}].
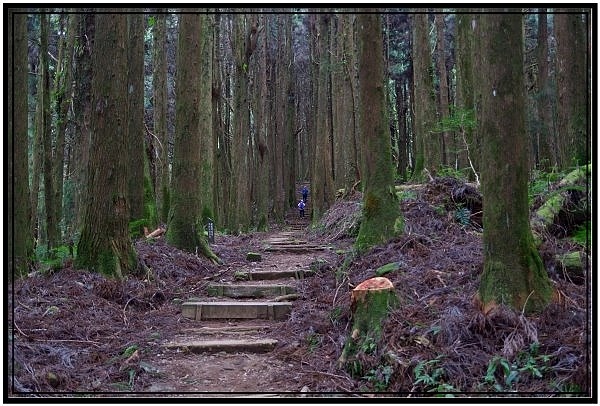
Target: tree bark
[
  {"x": 20, "y": 246},
  {"x": 160, "y": 103},
  {"x": 322, "y": 187},
  {"x": 448, "y": 144},
  {"x": 105, "y": 245},
  {"x": 427, "y": 144},
  {"x": 239, "y": 216},
  {"x": 207, "y": 187},
  {"x": 546, "y": 134},
  {"x": 513, "y": 274},
  {"x": 64, "y": 98},
  {"x": 135, "y": 99},
  {"x": 46, "y": 132},
  {"x": 82, "y": 106},
  {"x": 260, "y": 109},
  {"x": 572, "y": 70},
  {"x": 381, "y": 217}
]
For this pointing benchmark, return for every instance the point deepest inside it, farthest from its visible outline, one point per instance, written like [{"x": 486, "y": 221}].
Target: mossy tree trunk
[
  {"x": 185, "y": 229},
  {"x": 561, "y": 201},
  {"x": 20, "y": 243},
  {"x": 381, "y": 219},
  {"x": 513, "y": 274},
  {"x": 105, "y": 245},
  {"x": 371, "y": 302}
]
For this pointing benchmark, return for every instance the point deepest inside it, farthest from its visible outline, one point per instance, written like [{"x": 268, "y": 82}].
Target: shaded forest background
[{"x": 283, "y": 108}]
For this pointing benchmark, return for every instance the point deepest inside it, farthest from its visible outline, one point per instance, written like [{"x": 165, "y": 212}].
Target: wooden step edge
[{"x": 225, "y": 345}]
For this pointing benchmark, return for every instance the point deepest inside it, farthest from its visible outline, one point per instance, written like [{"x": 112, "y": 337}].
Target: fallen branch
[{"x": 156, "y": 233}]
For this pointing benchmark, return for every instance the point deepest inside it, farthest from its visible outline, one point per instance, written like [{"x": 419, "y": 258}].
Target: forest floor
[{"x": 77, "y": 334}]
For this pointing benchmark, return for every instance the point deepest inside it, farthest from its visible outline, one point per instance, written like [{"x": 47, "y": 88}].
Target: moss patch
[
  {"x": 253, "y": 257},
  {"x": 387, "y": 268}
]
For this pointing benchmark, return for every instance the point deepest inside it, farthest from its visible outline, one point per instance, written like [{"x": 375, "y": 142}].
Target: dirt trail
[{"x": 245, "y": 371}]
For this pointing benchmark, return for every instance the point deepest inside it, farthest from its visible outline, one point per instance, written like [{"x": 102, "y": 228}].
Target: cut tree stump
[{"x": 371, "y": 302}]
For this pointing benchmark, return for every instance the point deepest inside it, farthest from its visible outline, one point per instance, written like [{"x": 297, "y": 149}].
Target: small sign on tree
[{"x": 210, "y": 228}]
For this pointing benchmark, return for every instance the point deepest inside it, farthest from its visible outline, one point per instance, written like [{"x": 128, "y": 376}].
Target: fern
[{"x": 463, "y": 216}]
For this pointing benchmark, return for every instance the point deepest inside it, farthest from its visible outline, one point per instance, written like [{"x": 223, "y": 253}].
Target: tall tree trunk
[
  {"x": 135, "y": 99},
  {"x": 51, "y": 225},
  {"x": 465, "y": 95},
  {"x": 261, "y": 108},
  {"x": 63, "y": 91},
  {"x": 185, "y": 228},
  {"x": 428, "y": 146},
  {"x": 160, "y": 104},
  {"x": 402, "y": 140},
  {"x": 20, "y": 243},
  {"x": 37, "y": 156},
  {"x": 350, "y": 96},
  {"x": 206, "y": 119},
  {"x": 82, "y": 106},
  {"x": 277, "y": 145},
  {"x": 572, "y": 67},
  {"x": 513, "y": 273},
  {"x": 448, "y": 147},
  {"x": 322, "y": 182},
  {"x": 240, "y": 206},
  {"x": 381, "y": 218},
  {"x": 546, "y": 135},
  {"x": 220, "y": 111},
  {"x": 105, "y": 245},
  {"x": 289, "y": 166}
]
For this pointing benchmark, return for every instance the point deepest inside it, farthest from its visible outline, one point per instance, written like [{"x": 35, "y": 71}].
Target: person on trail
[
  {"x": 301, "y": 206},
  {"x": 304, "y": 193}
]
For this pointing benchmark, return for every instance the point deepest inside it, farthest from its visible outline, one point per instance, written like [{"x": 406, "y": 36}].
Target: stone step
[
  {"x": 285, "y": 241},
  {"x": 249, "y": 290},
  {"x": 295, "y": 248},
  {"x": 237, "y": 329},
  {"x": 226, "y": 345},
  {"x": 236, "y": 310},
  {"x": 274, "y": 275}
]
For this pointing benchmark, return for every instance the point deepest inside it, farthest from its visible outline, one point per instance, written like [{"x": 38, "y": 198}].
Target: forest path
[{"x": 230, "y": 348}]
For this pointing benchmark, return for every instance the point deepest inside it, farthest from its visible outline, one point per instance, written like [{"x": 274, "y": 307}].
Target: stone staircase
[{"x": 233, "y": 316}]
